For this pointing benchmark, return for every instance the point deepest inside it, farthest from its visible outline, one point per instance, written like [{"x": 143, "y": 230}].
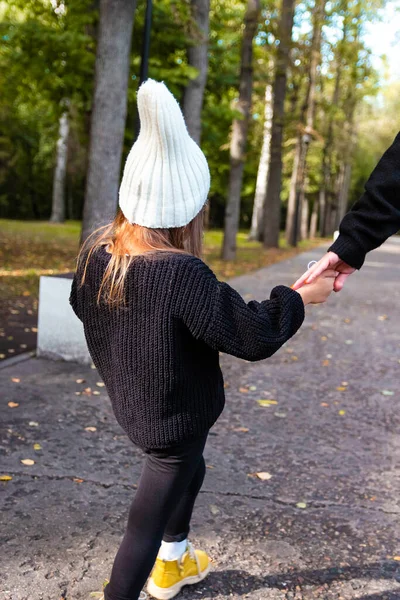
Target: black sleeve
[
  {"x": 216, "y": 313},
  {"x": 376, "y": 216},
  {"x": 73, "y": 298}
]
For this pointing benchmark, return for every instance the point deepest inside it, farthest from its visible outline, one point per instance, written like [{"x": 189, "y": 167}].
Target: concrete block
[{"x": 60, "y": 332}]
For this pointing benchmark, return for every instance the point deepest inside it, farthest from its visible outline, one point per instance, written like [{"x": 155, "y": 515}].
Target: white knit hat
[{"x": 166, "y": 178}]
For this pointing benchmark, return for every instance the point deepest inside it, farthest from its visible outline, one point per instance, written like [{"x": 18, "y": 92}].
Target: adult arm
[{"x": 376, "y": 216}]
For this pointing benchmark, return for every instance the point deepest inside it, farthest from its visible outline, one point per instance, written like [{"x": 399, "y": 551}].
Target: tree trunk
[
  {"x": 257, "y": 222},
  {"x": 239, "y": 131},
  {"x": 109, "y": 113},
  {"x": 298, "y": 179},
  {"x": 314, "y": 220},
  {"x": 198, "y": 58},
  {"x": 59, "y": 186},
  {"x": 272, "y": 209},
  {"x": 325, "y": 196}
]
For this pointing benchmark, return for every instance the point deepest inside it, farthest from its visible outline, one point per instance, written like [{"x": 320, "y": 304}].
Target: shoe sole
[{"x": 168, "y": 593}]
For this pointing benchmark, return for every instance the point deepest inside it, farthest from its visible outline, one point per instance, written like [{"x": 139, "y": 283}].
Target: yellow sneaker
[{"x": 169, "y": 576}]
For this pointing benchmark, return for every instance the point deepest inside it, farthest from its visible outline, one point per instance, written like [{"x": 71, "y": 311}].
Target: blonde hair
[{"x": 121, "y": 236}]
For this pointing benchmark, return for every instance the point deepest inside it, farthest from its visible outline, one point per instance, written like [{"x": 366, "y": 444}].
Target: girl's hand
[{"x": 319, "y": 290}]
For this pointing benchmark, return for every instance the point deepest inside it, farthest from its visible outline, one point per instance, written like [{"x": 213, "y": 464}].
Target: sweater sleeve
[
  {"x": 73, "y": 297},
  {"x": 216, "y": 313},
  {"x": 376, "y": 216}
]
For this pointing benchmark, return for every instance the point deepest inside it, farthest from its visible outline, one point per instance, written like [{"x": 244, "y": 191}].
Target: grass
[{"x": 29, "y": 249}]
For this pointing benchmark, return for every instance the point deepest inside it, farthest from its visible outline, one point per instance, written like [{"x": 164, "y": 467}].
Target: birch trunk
[
  {"x": 297, "y": 185},
  {"x": 239, "y": 132},
  {"x": 257, "y": 224},
  {"x": 109, "y": 113},
  {"x": 272, "y": 210},
  {"x": 59, "y": 180}
]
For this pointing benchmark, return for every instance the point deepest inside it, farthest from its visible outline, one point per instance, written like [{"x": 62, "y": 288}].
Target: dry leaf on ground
[{"x": 27, "y": 461}]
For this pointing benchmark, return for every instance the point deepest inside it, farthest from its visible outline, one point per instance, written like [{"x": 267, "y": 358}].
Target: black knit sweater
[
  {"x": 376, "y": 216},
  {"x": 158, "y": 355}
]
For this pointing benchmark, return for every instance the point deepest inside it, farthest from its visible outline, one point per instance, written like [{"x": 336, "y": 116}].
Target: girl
[{"x": 155, "y": 317}]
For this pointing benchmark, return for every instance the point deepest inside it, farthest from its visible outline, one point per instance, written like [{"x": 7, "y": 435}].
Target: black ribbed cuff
[
  {"x": 348, "y": 251},
  {"x": 291, "y": 298}
]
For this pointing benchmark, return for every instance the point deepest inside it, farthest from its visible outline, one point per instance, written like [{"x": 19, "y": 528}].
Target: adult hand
[{"x": 329, "y": 261}]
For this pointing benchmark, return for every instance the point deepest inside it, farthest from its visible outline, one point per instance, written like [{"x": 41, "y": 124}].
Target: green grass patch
[{"x": 29, "y": 249}]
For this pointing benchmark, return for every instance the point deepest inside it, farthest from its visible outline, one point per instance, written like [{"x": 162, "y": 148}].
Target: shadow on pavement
[{"x": 241, "y": 582}]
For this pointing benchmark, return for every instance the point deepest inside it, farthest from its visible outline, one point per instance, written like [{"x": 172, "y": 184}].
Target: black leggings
[{"x": 161, "y": 510}]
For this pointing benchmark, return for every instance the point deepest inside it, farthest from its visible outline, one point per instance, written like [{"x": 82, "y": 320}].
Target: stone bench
[{"x": 60, "y": 332}]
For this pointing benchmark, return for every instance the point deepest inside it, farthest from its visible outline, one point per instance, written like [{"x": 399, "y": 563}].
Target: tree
[
  {"x": 58, "y": 204},
  {"x": 298, "y": 205},
  {"x": 197, "y": 58},
  {"x": 239, "y": 131},
  {"x": 257, "y": 221},
  {"x": 109, "y": 112},
  {"x": 272, "y": 207}
]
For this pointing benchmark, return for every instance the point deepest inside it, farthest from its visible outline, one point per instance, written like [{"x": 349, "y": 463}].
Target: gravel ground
[{"x": 324, "y": 525}]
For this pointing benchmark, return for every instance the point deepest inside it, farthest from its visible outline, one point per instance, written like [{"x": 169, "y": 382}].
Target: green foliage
[{"x": 47, "y": 61}]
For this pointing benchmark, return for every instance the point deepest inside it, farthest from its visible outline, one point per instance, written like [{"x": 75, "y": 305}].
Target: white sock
[{"x": 172, "y": 550}]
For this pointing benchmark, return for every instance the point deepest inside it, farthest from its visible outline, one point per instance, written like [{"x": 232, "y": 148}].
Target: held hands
[
  {"x": 320, "y": 289},
  {"x": 329, "y": 261}
]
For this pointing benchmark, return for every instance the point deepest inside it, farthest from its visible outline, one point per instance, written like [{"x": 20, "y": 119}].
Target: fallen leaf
[
  {"x": 77, "y": 480},
  {"x": 281, "y": 415},
  {"x": 11, "y": 350},
  {"x": 347, "y": 320},
  {"x": 323, "y": 338},
  {"x": 349, "y": 342},
  {"x": 37, "y": 447},
  {"x": 13, "y": 404},
  {"x": 324, "y": 404},
  {"x": 289, "y": 350},
  {"x": 15, "y": 379},
  {"x": 3, "y": 356},
  {"x": 345, "y": 383},
  {"x": 92, "y": 366},
  {"x": 326, "y": 363},
  {"x": 342, "y": 412},
  {"x": 80, "y": 381},
  {"x": 226, "y": 385},
  {"x": 341, "y": 388},
  {"x": 329, "y": 356},
  {"x": 243, "y": 390},
  {"x": 90, "y": 428},
  {"x": 27, "y": 461},
  {"x": 5, "y": 477},
  {"x": 78, "y": 393},
  {"x": 88, "y": 390},
  {"x": 33, "y": 423},
  {"x": 301, "y": 505},
  {"x": 264, "y": 476},
  {"x": 294, "y": 358},
  {"x": 264, "y": 402},
  {"x": 396, "y": 558},
  {"x": 96, "y": 393},
  {"x": 100, "y": 384},
  {"x": 214, "y": 509},
  {"x": 241, "y": 429},
  {"x": 382, "y": 318},
  {"x": 387, "y": 393},
  {"x": 34, "y": 329},
  {"x": 23, "y": 346},
  {"x": 209, "y": 466}
]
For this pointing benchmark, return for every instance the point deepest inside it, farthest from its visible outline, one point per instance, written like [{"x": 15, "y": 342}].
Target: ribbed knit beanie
[{"x": 166, "y": 178}]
